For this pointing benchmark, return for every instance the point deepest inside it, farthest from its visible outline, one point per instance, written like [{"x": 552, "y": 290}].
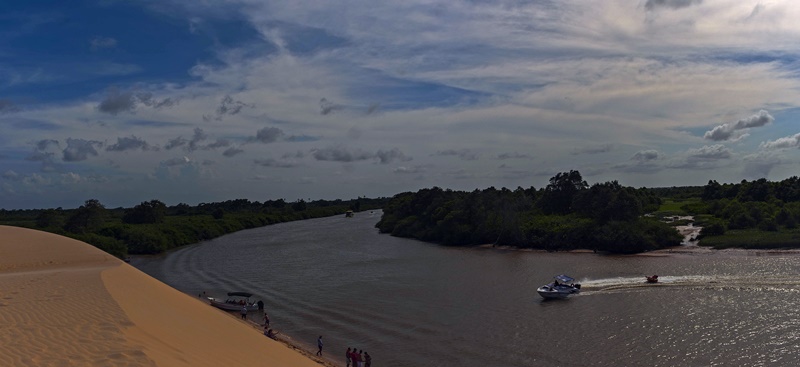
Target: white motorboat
[
  {"x": 562, "y": 287},
  {"x": 236, "y": 301}
]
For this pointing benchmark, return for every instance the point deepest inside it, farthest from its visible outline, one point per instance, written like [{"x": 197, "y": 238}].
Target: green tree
[
  {"x": 712, "y": 190},
  {"x": 559, "y": 193},
  {"x": 218, "y": 213},
  {"x": 758, "y": 190},
  {"x": 715, "y": 228},
  {"x": 299, "y": 205},
  {"x": 152, "y": 211},
  {"x": 608, "y": 201},
  {"x": 48, "y": 218},
  {"x": 88, "y": 218}
]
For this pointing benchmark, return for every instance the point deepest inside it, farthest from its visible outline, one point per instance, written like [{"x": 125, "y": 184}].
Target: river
[{"x": 410, "y": 303}]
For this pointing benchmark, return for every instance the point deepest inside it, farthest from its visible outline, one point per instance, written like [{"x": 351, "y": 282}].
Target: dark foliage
[
  {"x": 566, "y": 215},
  {"x": 49, "y": 218},
  {"x": 151, "y": 227},
  {"x": 557, "y": 197},
  {"x": 752, "y": 214},
  {"x": 152, "y": 211},
  {"x": 760, "y": 204},
  {"x": 86, "y": 219}
]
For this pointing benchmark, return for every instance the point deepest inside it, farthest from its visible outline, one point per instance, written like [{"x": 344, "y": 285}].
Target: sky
[{"x": 198, "y": 101}]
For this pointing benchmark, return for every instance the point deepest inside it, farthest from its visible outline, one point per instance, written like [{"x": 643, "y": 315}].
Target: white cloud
[
  {"x": 782, "y": 143},
  {"x": 736, "y": 130},
  {"x": 621, "y": 89}
]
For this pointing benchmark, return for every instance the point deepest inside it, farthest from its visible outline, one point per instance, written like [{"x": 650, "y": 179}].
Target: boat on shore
[
  {"x": 236, "y": 301},
  {"x": 562, "y": 286}
]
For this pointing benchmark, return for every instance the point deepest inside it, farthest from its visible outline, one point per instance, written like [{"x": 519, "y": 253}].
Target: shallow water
[{"x": 410, "y": 303}]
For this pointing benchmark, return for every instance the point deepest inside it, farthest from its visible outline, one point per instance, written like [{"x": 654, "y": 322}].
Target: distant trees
[
  {"x": 150, "y": 227},
  {"x": 48, "y": 218},
  {"x": 608, "y": 201},
  {"x": 299, "y": 205},
  {"x": 759, "y": 204},
  {"x": 89, "y": 217},
  {"x": 558, "y": 195},
  {"x": 566, "y": 214},
  {"x": 152, "y": 211},
  {"x": 218, "y": 213}
]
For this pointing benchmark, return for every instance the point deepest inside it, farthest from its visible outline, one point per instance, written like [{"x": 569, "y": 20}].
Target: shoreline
[
  {"x": 65, "y": 302},
  {"x": 286, "y": 340},
  {"x": 690, "y": 245}
]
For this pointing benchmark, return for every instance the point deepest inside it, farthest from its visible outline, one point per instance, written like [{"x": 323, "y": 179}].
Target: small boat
[
  {"x": 652, "y": 278},
  {"x": 235, "y": 302},
  {"x": 349, "y": 214},
  {"x": 562, "y": 287}
]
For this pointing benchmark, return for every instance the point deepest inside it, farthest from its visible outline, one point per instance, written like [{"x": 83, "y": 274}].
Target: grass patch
[
  {"x": 676, "y": 206},
  {"x": 753, "y": 239},
  {"x": 702, "y": 220}
]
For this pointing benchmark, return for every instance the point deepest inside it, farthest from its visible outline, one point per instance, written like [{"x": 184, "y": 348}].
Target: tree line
[
  {"x": 567, "y": 214},
  {"x": 755, "y": 205},
  {"x": 152, "y": 227}
]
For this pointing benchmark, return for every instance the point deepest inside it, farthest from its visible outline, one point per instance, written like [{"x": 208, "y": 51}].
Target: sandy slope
[{"x": 66, "y": 303}]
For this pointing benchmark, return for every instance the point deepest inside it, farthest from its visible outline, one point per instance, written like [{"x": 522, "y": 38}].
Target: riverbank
[{"x": 65, "y": 302}]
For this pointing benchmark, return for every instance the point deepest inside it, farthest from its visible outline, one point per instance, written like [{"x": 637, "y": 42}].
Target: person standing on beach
[
  {"x": 353, "y": 356},
  {"x": 266, "y": 320},
  {"x": 359, "y": 359},
  {"x": 244, "y": 312},
  {"x": 367, "y": 360},
  {"x": 319, "y": 346},
  {"x": 347, "y": 357}
]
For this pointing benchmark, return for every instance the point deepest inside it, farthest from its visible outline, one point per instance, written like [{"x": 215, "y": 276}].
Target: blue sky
[{"x": 201, "y": 101}]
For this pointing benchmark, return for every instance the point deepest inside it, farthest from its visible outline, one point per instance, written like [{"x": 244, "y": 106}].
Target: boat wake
[{"x": 696, "y": 281}]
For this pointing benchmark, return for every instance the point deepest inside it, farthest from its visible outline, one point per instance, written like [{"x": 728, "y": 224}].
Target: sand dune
[{"x": 66, "y": 303}]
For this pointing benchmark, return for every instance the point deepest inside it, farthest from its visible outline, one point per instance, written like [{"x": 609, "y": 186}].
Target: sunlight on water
[{"x": 415, "y": 304}]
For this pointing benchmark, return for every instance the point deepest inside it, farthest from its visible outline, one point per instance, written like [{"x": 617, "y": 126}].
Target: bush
[
  {"x": 110, "y": 245},
  {"x": 715, "y": 228}
]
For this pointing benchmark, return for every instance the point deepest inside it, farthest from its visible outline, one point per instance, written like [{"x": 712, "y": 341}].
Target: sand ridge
[{"x": 66, "y": 303}]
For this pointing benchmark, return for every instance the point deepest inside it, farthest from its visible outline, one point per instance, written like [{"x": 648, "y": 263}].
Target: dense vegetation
[
  {"x": 567, "y": 214},
  {"x": 152, "y": 227},
  {"x": 750, "y": 214}
]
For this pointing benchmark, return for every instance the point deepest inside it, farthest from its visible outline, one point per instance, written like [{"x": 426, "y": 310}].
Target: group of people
[
  {"x": 354, "y": 357},
  {"x": 357, "y": 358},
  {"x": 272, "y": 334}
]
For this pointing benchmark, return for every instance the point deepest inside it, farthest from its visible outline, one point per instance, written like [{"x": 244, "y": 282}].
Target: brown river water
[{"x": 410, "y": 303}]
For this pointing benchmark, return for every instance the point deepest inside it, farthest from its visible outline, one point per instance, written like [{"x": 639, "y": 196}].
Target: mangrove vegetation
[
  {"x": 567, "y": 214},
  {"x": 152, "y": 227}
]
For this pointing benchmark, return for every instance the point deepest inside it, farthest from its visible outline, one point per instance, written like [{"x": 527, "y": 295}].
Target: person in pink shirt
[{"x": 359, "y": 359}]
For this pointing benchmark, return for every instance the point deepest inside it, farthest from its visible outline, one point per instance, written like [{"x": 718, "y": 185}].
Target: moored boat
[
  {"x": 651, "y": 278},
  {"x": 562, "y": 287},
  {"x": 236, "y": 301}
]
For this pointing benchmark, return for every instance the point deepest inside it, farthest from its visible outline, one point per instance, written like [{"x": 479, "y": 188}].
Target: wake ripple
[{"x": 589, "y": 286}]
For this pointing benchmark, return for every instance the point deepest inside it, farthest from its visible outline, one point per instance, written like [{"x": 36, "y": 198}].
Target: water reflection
[{"x": 414, "y": 304}]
